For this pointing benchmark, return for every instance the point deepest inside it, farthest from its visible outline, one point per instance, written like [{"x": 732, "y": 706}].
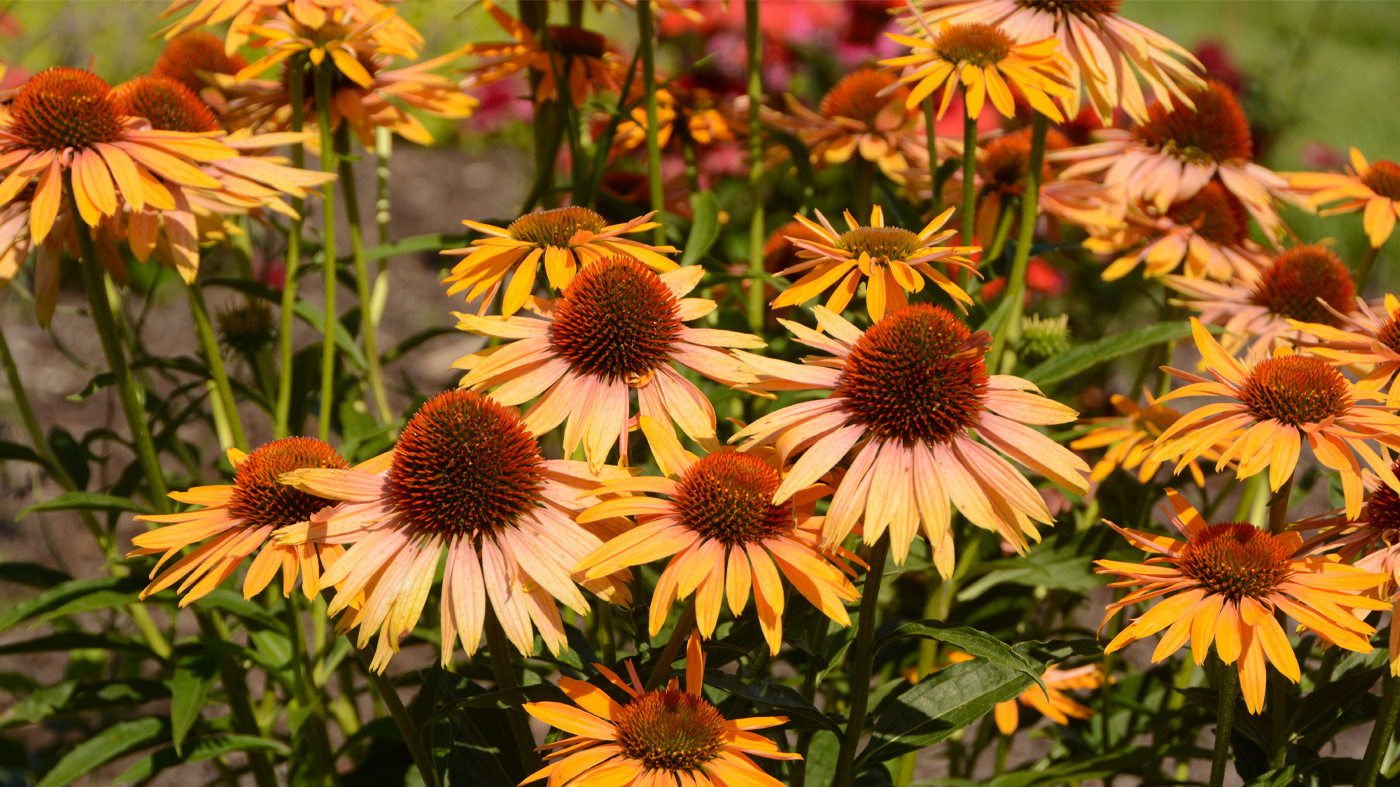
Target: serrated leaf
[
  {"x": 800, "y": 712},
  {"x": 704, "y": 228},
  {"x": 189, "y": 687},
  {"x": 104, "y": 747},
  {"x": 969, "y": 640},
  {"x": 85, "y": 501},
  {"x": 1087, "y": 356}
]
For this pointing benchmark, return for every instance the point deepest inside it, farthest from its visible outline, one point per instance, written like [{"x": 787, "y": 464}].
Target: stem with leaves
[
  {"x": 324, "y": 73},
  {"x": 662, "y": 668},
  {"x": 422, "y": 758},
  {"x": 292, "y": 262},
  {"x": 369, "y": 324},
  {"x": 1381, "y": 733},
  {"x": 753, "y": 38},
  {"x": 504, "y": 672},
  {"x": 862, "y": 663}
]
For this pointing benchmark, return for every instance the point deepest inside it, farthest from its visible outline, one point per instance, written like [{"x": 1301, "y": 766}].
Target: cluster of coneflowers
[{"x": 913, "y": 418}]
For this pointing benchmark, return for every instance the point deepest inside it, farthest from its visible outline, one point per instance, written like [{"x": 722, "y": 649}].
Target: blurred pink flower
[
  {"x": 503, "y": 102},
  {"x": 1042, "y": 279}
]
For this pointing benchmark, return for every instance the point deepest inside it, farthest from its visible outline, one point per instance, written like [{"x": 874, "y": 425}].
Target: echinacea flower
[
  {"x": 192, "y": 58},
  {"x": 1225, "y": 583},
  {"x": 66, "y": 122},
  {"x": 340, "y": 33},
  {"x": 1053, "y": 702},
  {"x": 692, "y": 114},
  {"x": 465, "y": 478},
  {"x": 723, "y": 534},
  {"x": 395, "y": 31},
  {"x": 1360, "y": 337},
  {"x": 1109, "y": 56},
  {"x": 1205, "y": 235},
  {"x": 988, "y": 63},
  {"x": 657, "y": 738},
  {"x": 564, "y": 239},
  {"x": 1370, "y": 187},
  {"x": 1270, "y": 407},
  {"x": 857, "y": 118},
  {"x": 616, "y": 328},
  {"x": 892, "y": 259},
  {"x": 1259, "y": 309},
  {"x": 1176, "y": 151},
  {"x": 1129, "y": 437},
  {"x": 238, "y": 520},
  {"x": 907, "y": 396},
  {"x": 585, "y": 59}
]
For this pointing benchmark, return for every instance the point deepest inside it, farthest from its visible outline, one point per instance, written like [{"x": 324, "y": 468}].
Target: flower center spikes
[
  {"x": 1215, "y": 214},
  {"x": 1007, "y": 159},
  {"x": 981, "y": 45},
  {"x": 62, "y": 108},
  {"x": 555, "y": 227},
  {"x": 577, "y": 42},
  {"x": 881, "y": 243},
  {"x": 169, "y": 105},
  {"x": 1389, "y": 334},
  {"x": 1236, "y": 560},
  {"x": 1084, "y": 9},
  {"x": 1216, "y": 131},
  {"x": 857, "y": 96},
  {"x": 1296, "y": 391},
  {"x": 262, "y": 502},
  {"x": 1383, "y": 509},
  {"x": 616, "y": 320},
  {"x": 193, "y": 52},
  {"x": 1298, "y": 277},
  {"x": 726, "y": 496},
  {"x": 464, "y": 467},
  {"x": 1384, "y": 179},
  {"x": 670, "y": 730},
  {"x": 914, "y": 376}
]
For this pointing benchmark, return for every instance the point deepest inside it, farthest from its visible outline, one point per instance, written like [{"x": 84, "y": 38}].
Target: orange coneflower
[
  {"x": 692, "y": 112},
  {"x": 906, "y": 396},
  {"x": 988, "y": 63},
  {"x": 617, "y": 327},
  {"x": 584, "y": 58},
  {"x": 1208, "y": 231},
  {"x": 1273, "y": 405},
  {"x": 194, "y": 57},
  {"x": 1176, "y": 151},
  {"x": 856, "y": 118},
  {"x": 1374, "y": 188},
  {"x": 565, "y": 239},
  {"x": 1260, "y": 307},
  {"x": 465, "y": 477},
  {"x": 238, "y": 519},
  {"x": 1053, "y": 702},
  {"x": 1225, "y": 583},
  {"x": 395, "y": 31},
  {"x": 1360, "y": 337},
  {"x": 1107, "y": 54},
  {"x": 894, "y": 260},
  {"x": 1129, "y": 437},
  {"x": 658, "y": 738},
  {"x": 723, "y": 532}
]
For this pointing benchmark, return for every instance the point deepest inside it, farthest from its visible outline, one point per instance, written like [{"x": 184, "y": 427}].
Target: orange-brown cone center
[
  {"x": 193, "y": 52},
  {"x": 1236, "y": 560},
  {"x": 616, "y": 320},
  {"x": 62, "y": 108},
  {"x": 262, "y": 502},
  {"x": 1296, "y": 391},
  {"x": 1298, "y": 277},
  {"x": 857, "y": 96},
  {"x": 1384, "y": 179},
  {"x": 670, "y": 730},
  {"x": 1214, "y": 213},
  {"x": 727, "y": 496},
  {"x": 1216, "y": 131},
  {"x": 978, "y": 44},
  {"x": 169, "y": 105},
  {"x": 555, "y": 227}
]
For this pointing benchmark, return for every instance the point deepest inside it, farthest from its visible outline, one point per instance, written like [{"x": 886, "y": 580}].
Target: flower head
[
  {"x": 1372, "y": 187},
  {"x": 863, "y": 114},
  {"x": 1270, "y": 407},
  {"x": 692, "y": 114},
  {"x": 585, "y": 59},
  {"x": 723, "y": 532},
  {"x": 238, "y": 520},
  {"x": 656, "y": 737},
  {"x": 894, "y": 260},
  {"x": 565, "y": 239},
  {"x": 1224, "y": 584},
  {"x": 192, "y": 58},
  {"x": 395, "y": 32},
  {"x": 465, "y": 478},
  {"x": 1129, "y": 438},
  {"x": 988, "y": 62},
  {"x": 907, "y": 395},
  {"x": 616, "y": 328},
  {"x": 1357, "y": 337},
  {"x": 1107, "y": 56}
]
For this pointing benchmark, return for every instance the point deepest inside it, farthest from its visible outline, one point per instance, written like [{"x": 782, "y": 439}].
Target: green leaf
[
  {"x": 203, "y": 749},
  {"x": 822, "y": 755},
  {"x": 104, "y": 747},
  {"x": 801, "y": 712},
  {"x": 20, "y": 453},
  {"x": 436, "y": 241},
  {"x": 79, "y": 595},
  {"x": 85, "y": 501},
  {"x": 74, "y": 696},
  {"x": 1321, "y": 707},
  {"x": 1085, "y": 357},
  {"x": 704, "y": 229},
  {"x": 71, "y": 454},
  {"x": 31, "y": 574},
  {"x": 73, "y": 640},
  {"x": 969, "y": 640},
  {"x": 994, "y": 322},
  {"x": 507, "y": 698},
  {"x": 189, "y": 687},
  {"x": 940, "y": 705}
]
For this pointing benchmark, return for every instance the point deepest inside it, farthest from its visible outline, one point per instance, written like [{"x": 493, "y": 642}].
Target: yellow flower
[
  {"x": 1129, "y": 438},
  {"x": 585, "y": 59},
  {"x": 395, "y": 32},
  {"x": 1225, "y": 583},
  {"x": 1358, "y": 337},
  {"x": 862, "y": 115},
  {"x": 1373, "y": 188}
]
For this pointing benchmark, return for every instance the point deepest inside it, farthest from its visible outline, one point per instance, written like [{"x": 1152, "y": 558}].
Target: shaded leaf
[
  {"x": 85, "y": 501},
  {"x": 969, "y": 640},
  {"x": 189, "y": 687},
  {"x": 1085, "y": 357},
  {"x": 704, "y": 228},
  {"x": 31, "y": 574},
  {"x": 786, "y": 700},
  {"x": 104, "y": 747},
  {"x": 202, "y": 749}
]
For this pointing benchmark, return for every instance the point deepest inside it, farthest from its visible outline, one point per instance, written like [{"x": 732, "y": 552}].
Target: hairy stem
[
  {"x": 1381, "y": 733},
  {"x": 1224, "y": 723},
  {"x": 679, "y": 634},
  {"x": 504, "y": 672},
  {"x": 969, "y": 183},
  {"x": 646, "y": 46},
  {"x": 1364, "y": 268},
  {"x": 861, "y": 665},
  {"x": 931, "y": 140},
  {"x": 385, "y": 691},
  {"x": 753, "y": 38},
  {"x": 204, "y": 329}
]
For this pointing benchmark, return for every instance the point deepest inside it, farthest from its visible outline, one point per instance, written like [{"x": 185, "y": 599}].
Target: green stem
[
  {"x": 204, "y": 329},
  {"x": 753, "y": 38},
  {"x": 369, "y": 325},
  {"x": 931, "y": 140},
  {"x": 605, "y": 632},
  {"x": 94, "y": 282},
  {"x": 1278, "y": 507},
  {"x": 1278, "y": 709},
  {"x": 383, "y": 150},
  {"x": 798, "y": 769},
  {"x": 861, "y": 666},
  {"x": 385, "y": 691},
  {"x": 292, "y": 264},
  {"x": 1016, "y": 283},
  {"x": 324, "y": 73},
  {"x": 678, "y": 637},
  {"x": 1381, "y": 733},
  {"x": 1224, "y": 723},
  {"x": 969, "y": 175},
  {"x": 309, "y": 695},
  {"x": 645, "y": 45},
  {"x": 504, "y": 672},
  {"x": 1003, "y": 230},
  {"x": 1363, "y": 269}
]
